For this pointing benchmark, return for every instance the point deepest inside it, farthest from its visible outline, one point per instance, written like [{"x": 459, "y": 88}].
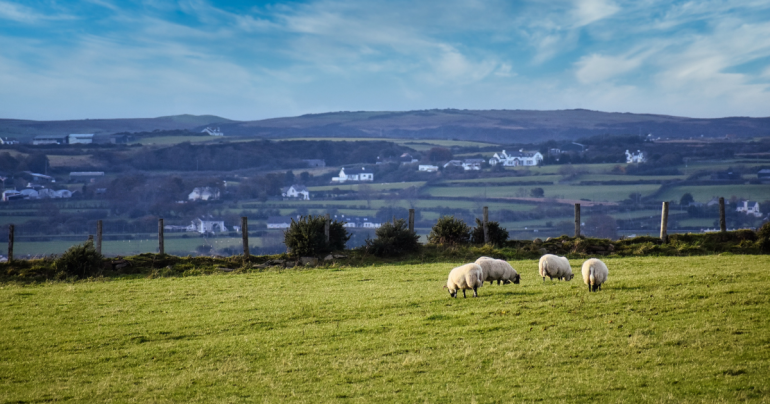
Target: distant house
[
  {"x": 278, "y": 222},
  {"x": 358, "y": 176},
  {"x": 515, "y": 159},
  {"x": 764, "y": 175},
  {"x": 213, "y": 132},
  {"x": 29, "y": 193},
  {"x": 8, "y": 140},
  {"x": 360, "y": 222},
  {"x": 407, "y": 158},
  {"x": 80, "y": 138},
  {"x": 203, "y": 194},
  {"x": 207, "y": 225},
  {"x": 467, "y": 164},
  {"x": 749, "y": 208},
  {"x": 121, "y": 139},
  {"x": 40, "y": 177},
  {"x": 12, "y": 194},
  {"x": 49, "y": 139},
  {"x": 638, "y": 157},
  {"x": 573, "y": 147},
  {"x": 63, "y": 193},
  {"x": 315, "y": 163},
  {"x": 427, "y": 168},
  {"x": 296, "y": 191}
]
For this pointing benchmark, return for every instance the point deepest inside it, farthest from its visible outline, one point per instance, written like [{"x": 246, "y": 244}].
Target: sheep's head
[
  {"x": 517, "y": 279},
  {"x": 569, "y": 277},
  {"x": 452, "y": 292}
]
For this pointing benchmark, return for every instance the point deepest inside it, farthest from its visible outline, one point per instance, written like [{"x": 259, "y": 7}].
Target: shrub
[
  {"x": 497, "y": 235},
  {"x": 305, "y": 237},
  {"x": 393, "y": 239},
  {"x": 80, "y": 260},
  {"x": 449, "y": 231}
]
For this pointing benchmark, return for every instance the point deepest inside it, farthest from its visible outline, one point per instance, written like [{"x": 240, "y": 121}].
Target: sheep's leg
[
  {"x": 475, "y": 291},
  {"x": 589, "y": 288},
  {"x": 498, "y": 281},
  {"x": 464, "y": 294}
]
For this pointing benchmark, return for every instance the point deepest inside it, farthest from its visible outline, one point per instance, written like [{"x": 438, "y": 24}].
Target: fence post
[
  {"x": 577, "y": 220},
  {"x": 327, "y": 224},
  {"x": 722, "y": 221},
  {"x": 485, "y": 222},
  {"x": 664, "y": 223},
  {"x": 161, "y": 249},
  {"x": 10, "y": 242},
  {"x": 411, "y": 220},
  {"x": 99, "y": 237},
  {"x": 245, "y": 234}
]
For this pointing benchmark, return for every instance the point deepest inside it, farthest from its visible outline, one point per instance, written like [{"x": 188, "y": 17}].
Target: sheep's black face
[
  {"x": 517, "y": 279},
  {"x": 453, "y": 293}
]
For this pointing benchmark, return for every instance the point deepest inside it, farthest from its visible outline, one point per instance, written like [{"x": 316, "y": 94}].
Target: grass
[
  {"x": 374, "y": 187},
  {"x": 662, "y": 330},
  {"x": 594, "y": 193},
  {"x": 704, "y": 193}
]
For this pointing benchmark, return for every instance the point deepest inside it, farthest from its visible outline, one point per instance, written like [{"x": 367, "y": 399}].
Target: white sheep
[
  {"x": 595, "y": 273},
  {"x": 497, "y": 270},
  {"x": 468, "y": 276},
  {"x": 554, "y": 266}
]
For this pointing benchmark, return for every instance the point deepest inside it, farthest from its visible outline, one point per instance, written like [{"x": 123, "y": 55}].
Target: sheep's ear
[{"x": 445, "y": 287}]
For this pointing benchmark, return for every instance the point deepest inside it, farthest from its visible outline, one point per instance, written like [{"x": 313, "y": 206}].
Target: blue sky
[{"x": 253, "y": 60}]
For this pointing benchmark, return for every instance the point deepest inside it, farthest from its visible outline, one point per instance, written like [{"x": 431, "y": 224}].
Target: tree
[
  {"x": 537, "y": 192},
  {"x": 449, "y": 231},
  {"x": 306, "y": 237},
  {"x": 439, "y": 154},
  {"x": 686, "y": 199},
  {"x": 80, "y": 260},
  {"x": 497, "y": 234},
  {"x": 289, "y": 178},
  {"x": 393, "y": 239}
]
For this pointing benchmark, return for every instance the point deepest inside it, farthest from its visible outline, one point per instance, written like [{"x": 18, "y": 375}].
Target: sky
[{"x": 250, "y": 60}]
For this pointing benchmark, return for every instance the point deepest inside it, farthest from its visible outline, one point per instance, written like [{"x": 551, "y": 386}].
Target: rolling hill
[{"x": 496, "y": 126}]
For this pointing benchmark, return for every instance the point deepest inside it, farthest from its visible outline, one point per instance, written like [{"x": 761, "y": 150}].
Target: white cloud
[
  {"x": 598, "y": 68},
  {"x": 590, "y": 11},
  {"x": 15, "y": 12}
]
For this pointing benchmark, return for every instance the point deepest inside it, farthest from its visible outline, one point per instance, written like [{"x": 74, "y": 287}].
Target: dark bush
[
  {"x": 305, "y": 237},
  {"x": 393, "y": 240},
  {"x": 449, "y": 231},
  {"x": 80, "y": 260},
  {"x": 497, "y": 235}
]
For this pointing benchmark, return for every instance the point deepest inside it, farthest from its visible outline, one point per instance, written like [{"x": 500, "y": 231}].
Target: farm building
[
  {"x": 296, "y": 192},
  {"x": 203, "y": 194},
  {"x": 515, "y": 159},
  {"x": 362, "y": 175},
  {"x": 80, "y": 138}
]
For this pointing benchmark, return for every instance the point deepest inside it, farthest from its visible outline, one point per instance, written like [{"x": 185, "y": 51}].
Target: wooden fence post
[
  {"x": 722, "y": 221},
  {"x": 485, "y": 222},
  {"x": 327, "y": 224},
  {"x": 664, "y": 223},
  {"x": 99, "y": 237},
  {"x": 10, "y": 242},
  {"x": 577, "y": 220},
  {"x": 245, "y": 233},
  {"x": 161, "y": 249},
  {"x": 411, "y": 220}
]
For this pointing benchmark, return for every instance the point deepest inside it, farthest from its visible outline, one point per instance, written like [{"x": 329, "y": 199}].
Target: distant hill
[
  {"x": 496, "y": 126},
  {"x": 25, "y": 129}
]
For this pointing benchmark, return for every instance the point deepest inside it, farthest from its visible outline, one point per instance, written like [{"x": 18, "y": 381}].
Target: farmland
[{"x": 663, "y": 329}]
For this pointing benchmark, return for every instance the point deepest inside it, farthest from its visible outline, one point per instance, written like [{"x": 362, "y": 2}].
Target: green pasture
[
  {"x": 684, "y": 330},
  {"x": 384, "y": 186},
  {"x": 596, "y": 193},
  {"x": 704, "y": 193},
  {"x": 418, "y": 204},
  {"x": 416, "y": 144},
  {"x": 523, "y": 179}
]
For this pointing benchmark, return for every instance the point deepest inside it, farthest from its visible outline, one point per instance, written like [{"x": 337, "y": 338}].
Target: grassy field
[
  {"x": 756, "y": 192},
  {"x": 373, "y": 187},
  {"x": 662, "y": 330},
  {"x": 594, "y": 193}
]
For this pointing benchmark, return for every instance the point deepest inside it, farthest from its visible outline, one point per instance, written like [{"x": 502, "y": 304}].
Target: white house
[
  {"x": 213, "y": 132},
  {"x": 749, "y": 208},
  {"x": 11, "y": 194},
  {"x": 467, "y": 164},
  {"x": 30, "y": 193},
  {"x": 427, "y": 168},
  {"x": 63, "y": 193},
  {"x": 358, "y": 222},
  {"x": 637, "y": 157},
  {"x": 278, "y": 222},
  {"x": 80, "y": 138},
  {"x": 203, "y": 194},
  {"x": 209, "y": 225},
  {"x": 514, "y": 159},
  {"x": 362, "y": 175},
  {"x": 296, "y": 191}
]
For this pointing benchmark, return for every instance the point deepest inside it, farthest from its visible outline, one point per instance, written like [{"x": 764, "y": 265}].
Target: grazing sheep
[
  {"x": 497, "y": 270},
  {"x": 554, "y": 266},
  {"x": 468, "y": 276},
  {"x": 595, "y": 273}
]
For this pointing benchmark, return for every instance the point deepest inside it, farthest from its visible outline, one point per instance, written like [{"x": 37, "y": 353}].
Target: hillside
[
  {"x": 496, "y": 126},
  {"x": 500, "y": 126},
  {"x": 26, "y": 129}
]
